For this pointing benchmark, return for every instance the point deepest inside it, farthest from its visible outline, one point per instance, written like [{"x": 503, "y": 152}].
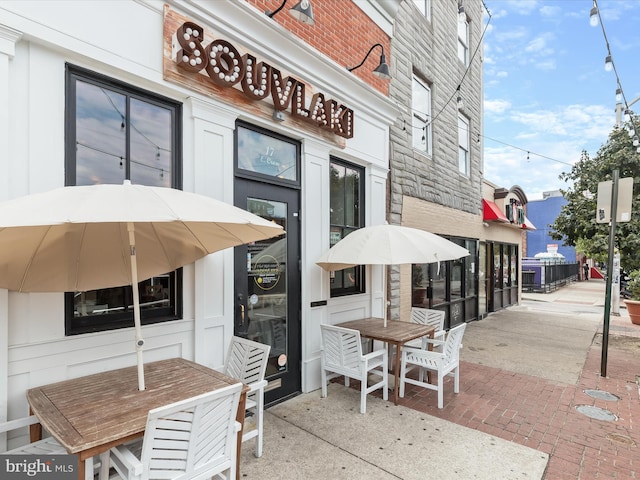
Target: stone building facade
[{"x": 440, "y": 52}]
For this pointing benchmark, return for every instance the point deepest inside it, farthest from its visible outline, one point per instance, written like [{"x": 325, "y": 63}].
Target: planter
[
  {"x": 418, "y": 297},
  {"x": 633, "y": 307}
]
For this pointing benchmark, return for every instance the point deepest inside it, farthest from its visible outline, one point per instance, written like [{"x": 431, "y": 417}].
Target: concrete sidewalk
[
  {"x": 309, "y": 437},
  {"x": 524, "y": 372}
]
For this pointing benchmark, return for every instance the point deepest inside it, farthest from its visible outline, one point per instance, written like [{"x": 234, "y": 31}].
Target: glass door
[{"x": 267, "y": 285}]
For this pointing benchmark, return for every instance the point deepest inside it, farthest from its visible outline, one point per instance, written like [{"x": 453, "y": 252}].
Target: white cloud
[
  {"x": 540, "y": 44},
  {"x": 496, "y": 106},
  {"x": 550, "y": 11},
  {"x": 523, "y": 7}
]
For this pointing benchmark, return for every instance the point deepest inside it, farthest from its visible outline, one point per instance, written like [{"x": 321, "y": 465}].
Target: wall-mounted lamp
[
  {"x": 301, "y": 11},
  {"x": 462, "y": 16},
  {"x": 382, "y": 70}
]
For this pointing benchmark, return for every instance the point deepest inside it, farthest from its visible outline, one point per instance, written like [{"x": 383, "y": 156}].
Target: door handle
[{"x": 242, "y": 314}]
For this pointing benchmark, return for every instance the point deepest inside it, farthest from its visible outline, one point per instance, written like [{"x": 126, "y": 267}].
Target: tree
[{"x": 576, "y": 224}]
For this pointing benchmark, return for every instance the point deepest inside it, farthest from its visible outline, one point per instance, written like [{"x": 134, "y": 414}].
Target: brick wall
[{"x": 342, "y": 32}]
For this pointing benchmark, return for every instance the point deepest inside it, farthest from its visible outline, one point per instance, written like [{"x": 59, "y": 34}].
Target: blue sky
[{"x": 547, "y": 95}]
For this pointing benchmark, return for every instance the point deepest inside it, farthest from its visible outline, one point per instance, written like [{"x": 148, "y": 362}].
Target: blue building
[{"x": 543, "y": 213}]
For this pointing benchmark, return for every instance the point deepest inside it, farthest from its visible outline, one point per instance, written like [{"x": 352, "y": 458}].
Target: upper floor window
[
  {"x": 425, "y": 7},
  {"x": 463, "y": 40},
  {"x": 421, "y": 106},
  {"x": 463, "y": 145},
  {"x": 115, "y": 132},
  {"x": 347, "y": 215}
]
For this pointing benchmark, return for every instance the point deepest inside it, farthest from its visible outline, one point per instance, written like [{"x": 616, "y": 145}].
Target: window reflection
[
  {"x": 346, "y": 215},
  {"x": 266, "y": 155},
  {"x": 118, "y": 138},
  {"x": 120, "y": 133}
]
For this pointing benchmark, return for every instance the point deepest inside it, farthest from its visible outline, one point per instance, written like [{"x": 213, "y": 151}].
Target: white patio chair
[
  {"x": 193, "y": 438},
  {"x": 46, "y": 446},
  {"x": 247, "y": 362},
  {"x": 428, "y": 316},
  {"x": 443, "y": 363},
  {"x": 342, "y": 355}
]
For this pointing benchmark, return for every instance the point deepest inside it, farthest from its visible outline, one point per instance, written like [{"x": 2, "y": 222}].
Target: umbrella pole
[
  {"x": 136, "y": 305},
  {"x": 384, "y": 279}
]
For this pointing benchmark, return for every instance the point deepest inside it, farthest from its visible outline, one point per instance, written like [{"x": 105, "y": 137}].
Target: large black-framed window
[
  {"x": 347, "y": 215},
  {"x": 116, "y": 132},
  {"x": 450, "y": 286}
]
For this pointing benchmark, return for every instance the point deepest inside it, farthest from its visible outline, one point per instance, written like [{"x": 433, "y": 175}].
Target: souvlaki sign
[{"x": 224, "y": 65}]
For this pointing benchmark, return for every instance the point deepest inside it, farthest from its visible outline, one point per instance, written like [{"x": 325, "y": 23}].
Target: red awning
[
  {"x": 528, "y": 225},
  {"x": 492, "y": 213}
]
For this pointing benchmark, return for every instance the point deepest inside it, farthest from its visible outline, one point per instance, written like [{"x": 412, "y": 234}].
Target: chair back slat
[
  {"x": 247, "y": 360},
  {"x": 187, "y": 438},
  {"x": 342, "y": 348},
  {"x": 451, "y": 349},
  {"x": 428, "y": 316}
]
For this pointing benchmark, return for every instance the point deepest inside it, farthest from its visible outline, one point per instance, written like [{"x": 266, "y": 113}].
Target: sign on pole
[{"x": 625, "y": 197}]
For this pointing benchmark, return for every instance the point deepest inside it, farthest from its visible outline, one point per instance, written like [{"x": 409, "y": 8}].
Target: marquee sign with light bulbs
[{"x": 224, "y": 66}]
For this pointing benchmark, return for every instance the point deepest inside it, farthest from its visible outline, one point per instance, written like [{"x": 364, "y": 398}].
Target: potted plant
[{"x": 633, "y": 303}]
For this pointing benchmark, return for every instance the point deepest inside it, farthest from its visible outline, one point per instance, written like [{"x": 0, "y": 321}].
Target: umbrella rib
[{"x": 32, "y": 257}]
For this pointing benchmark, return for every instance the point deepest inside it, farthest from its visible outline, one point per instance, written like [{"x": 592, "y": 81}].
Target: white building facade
[{"x": 100, "y": 91}]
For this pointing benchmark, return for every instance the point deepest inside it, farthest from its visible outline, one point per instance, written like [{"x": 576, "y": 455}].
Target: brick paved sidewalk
[{"x": 542, "y": 414}]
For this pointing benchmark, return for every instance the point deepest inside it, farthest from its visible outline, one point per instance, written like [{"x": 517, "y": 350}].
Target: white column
[{"x": 8, "y": 39}]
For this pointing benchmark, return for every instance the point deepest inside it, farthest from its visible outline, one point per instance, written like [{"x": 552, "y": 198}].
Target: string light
[
  {"x": 457, "y": 90},
  {"x": 593, "y": 15},
  {"x": 610, "y": 65},
  {"x": 479, "y": 136}
]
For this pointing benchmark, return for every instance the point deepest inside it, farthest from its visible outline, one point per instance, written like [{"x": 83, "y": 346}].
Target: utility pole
[
  {"x": 614, "y": 203},
  {"x": 607, "y": 301}
]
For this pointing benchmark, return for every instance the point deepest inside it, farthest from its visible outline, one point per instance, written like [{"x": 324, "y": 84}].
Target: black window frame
[
  {"x": 358, "y": 272},
  {"x": 112, "y": 321},
  {"x": 261, "y": 177}
]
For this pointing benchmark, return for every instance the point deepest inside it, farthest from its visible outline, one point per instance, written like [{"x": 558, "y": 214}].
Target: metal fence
[{"x": 548, "y": 277}]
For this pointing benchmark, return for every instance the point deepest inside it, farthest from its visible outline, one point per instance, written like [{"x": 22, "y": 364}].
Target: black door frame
[{"x": 289, "y": 382}]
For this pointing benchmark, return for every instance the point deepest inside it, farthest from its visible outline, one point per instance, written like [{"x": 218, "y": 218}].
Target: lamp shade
[
  {"x": 382, "y": 70},
  {"x": 302, "y": 11}
]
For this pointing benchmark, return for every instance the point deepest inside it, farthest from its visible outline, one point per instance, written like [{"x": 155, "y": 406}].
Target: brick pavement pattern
[{"x": 542, "y": 414}]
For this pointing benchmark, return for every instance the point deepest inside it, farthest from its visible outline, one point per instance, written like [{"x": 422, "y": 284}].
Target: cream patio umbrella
[
  {"x": 100, "y": 236},
  {"x": 389, "y": 245}
]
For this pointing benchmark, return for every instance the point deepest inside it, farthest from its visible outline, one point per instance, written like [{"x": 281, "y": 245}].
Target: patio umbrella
[
  {"x": 99, "y": 236},
  {"x": 389, "y": 245}
]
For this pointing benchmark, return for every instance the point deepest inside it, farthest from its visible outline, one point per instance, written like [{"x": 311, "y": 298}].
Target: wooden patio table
[
  {"x": 91, "y": 414},
  {"x": 395, "y": 333}
]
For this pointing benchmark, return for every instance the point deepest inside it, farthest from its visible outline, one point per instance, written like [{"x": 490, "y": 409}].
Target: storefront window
[
  {"x": 346, "y": 215},
  {"x": 115, "y": 132},
  {"x": 262, "y": 154},
  {"x": 470, "y": 268},
  {"x": 497, "y": 266},
  {"x": 457, "y": 273},
  {"x": 438, "y": 282},
  {"x": 449, "y": 286},
  {"x": 505, "y": 265}
]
